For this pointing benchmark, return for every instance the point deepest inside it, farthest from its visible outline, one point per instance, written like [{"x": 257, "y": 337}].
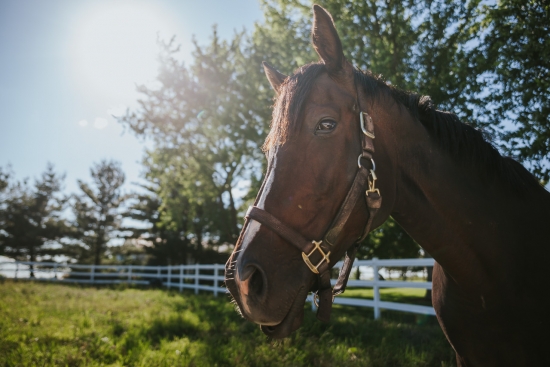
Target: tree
[
  {"x": 98, "y": 212},
  {"x": 31, "y": 217},
  {"x": 207, "y": 137},
  {"x": 514, "y": 60},
  {"x": 166, "y": 243},
  {"x": 415, "y": 45},
  {"x": 4, "y": 179},
  {"x": 209, "y": 119}
]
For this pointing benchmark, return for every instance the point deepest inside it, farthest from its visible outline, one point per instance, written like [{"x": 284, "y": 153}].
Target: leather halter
[{"x": 316, "y": 254}]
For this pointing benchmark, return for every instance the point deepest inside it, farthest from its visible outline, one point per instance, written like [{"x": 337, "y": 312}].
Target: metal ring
[{"x": 359, "y": 162}]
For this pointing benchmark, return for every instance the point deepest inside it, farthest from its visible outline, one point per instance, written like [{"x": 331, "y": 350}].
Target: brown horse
[{"x": 483, "y": 217}]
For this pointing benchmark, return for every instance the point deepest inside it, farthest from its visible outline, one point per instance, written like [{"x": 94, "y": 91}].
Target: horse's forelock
[{"x": 289, "y": 104}]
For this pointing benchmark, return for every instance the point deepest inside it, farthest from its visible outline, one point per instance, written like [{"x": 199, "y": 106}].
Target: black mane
[{"x": 462, "y": 142}]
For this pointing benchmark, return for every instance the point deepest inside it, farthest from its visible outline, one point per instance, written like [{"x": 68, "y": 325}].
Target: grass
[
  {"x": 403, "y": 295},
  {"x": 60, "y": 325}
]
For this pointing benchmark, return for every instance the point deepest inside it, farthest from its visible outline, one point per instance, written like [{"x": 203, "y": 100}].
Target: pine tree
[
  {"x": 31, "y": 217},
  {"x": 98, "y": 212}
]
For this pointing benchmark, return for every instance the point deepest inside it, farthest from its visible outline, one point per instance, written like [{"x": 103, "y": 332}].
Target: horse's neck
[{"x": 459, "y": 219}]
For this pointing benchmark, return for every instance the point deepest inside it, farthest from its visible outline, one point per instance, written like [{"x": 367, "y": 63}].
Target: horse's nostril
[
  {"x": 256, "y": 282},
  {"x": 253, "y": 280}
]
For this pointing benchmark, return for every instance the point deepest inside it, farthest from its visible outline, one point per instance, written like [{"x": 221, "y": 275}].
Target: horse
[{"x": 341, "y": 140}]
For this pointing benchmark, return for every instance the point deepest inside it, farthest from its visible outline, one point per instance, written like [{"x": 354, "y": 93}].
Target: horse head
[{"x": 295, "y": 232}]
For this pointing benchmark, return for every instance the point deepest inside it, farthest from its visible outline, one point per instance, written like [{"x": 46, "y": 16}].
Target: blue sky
[{"x": 67, "y": 65}]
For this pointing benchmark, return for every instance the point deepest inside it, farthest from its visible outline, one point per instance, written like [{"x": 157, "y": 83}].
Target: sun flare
[{"x": 114, "y": 46}]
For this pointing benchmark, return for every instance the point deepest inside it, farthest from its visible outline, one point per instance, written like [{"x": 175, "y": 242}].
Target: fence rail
[{"x": 210, "y": 277}]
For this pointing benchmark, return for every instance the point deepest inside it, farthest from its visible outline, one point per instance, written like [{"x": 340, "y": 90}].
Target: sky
[{"x": 68, "y": 66}]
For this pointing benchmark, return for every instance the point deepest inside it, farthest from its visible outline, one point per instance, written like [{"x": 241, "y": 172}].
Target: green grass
[
  {"x": 60, "y": 325},
  {"x": 403, "y": 295}
]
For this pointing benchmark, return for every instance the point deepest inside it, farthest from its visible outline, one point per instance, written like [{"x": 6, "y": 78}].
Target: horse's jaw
[{"x": 292, "y": 321}]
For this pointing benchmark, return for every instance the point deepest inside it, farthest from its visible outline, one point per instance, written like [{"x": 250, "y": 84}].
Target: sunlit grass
[
  {"x": 403, "y": 295},
  {"x": 59, "y": 325}
]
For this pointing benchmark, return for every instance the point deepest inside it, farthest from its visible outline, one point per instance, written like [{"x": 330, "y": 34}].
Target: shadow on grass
[{"x": 399, "y": 339}]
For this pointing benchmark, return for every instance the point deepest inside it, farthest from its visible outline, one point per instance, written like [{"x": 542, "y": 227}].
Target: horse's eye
[{"x": 326, "y": 126}]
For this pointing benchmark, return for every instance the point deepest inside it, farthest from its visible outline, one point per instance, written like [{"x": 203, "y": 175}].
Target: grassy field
[
  {"x": 403, "y": 295},
  {"x": 60, "y": 325}
]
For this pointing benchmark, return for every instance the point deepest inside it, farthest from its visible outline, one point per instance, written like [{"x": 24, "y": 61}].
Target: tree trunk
[
  {"x": 233, "y": 213},
  {"x": 198, "y": 228},
  {"x": 33, "y": 259},
  {"x": 98, "y": 246},
  {"x": 226, "y": 230}
]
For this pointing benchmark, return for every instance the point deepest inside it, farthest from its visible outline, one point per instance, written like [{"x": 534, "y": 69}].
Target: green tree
[
  {"x": 31, "y": 217},
  {"x": 514, "y": 60},
  {"x": 415, "y": 45},
  {"x": 166, "y": 243},
  {"x": 4, "y": 179},
  {"x": 209, "y": 119},
  {"x": 98, "y": 212},
  {"x": 207, "y": 137},
  {"x": 389, "y": 241}
]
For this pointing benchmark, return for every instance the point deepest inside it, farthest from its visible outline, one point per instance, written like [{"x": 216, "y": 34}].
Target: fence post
[
  {"x": 55, "y": 271},
  {"x": 215, "y": 280},
  {"x": 129, "y": 273},
  {"x": 376, "y": 289},
  {"x": 196, "y": 278},
  {"x": 181, "y": 278},
  {"x": 158, "y": 275},
  {"x": 169, "y": 275},
  {"x": 16, "y": 269},
  {"x": 92, "y": 273}
]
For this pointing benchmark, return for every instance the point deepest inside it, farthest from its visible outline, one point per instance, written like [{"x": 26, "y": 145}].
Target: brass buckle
[
  {"x": 315, "y": 268},
  {"x": 372, "y": 183}
]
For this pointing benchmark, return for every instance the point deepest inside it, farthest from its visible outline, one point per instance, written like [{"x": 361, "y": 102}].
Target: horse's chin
[{"x": 292, "y": 321}]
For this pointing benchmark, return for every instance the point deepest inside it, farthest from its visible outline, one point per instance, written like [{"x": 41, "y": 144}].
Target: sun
[{"x": 114, "y": 46}]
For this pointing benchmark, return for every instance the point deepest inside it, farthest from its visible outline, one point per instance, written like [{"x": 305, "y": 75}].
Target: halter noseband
[{"x": 316, "y": 254}]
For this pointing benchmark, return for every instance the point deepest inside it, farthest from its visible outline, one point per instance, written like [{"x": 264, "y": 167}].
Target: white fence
[{"x": 210, "y": 277}]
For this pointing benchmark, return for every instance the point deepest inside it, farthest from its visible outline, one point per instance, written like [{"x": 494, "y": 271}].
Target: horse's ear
[
  {"x": 274, "y": 76},
  {"x": 326, "y": 41}
]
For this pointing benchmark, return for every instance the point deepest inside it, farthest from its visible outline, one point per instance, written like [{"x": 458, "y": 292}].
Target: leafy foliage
[
  {"x": 205, "y": 141},
  {"x": 31, "y": 217},
  {"x": 4, "y": 179},
  {"x": 389, "y": 241},
  {"x": 164, "y": 244},
  {"x": 514, "y": 55}
]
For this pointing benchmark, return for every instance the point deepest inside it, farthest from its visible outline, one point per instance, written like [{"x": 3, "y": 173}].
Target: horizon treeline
[{"x": 488, "y": 62}]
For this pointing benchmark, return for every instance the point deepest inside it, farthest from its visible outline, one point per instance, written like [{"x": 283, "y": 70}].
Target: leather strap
[
  {"x": 352, "y": 198},
  {"x": 374, "y": 201},
  {"x": 287, "y": 233}
]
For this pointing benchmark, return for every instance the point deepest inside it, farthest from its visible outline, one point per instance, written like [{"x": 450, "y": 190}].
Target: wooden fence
[{"x": 209, "y": 277}]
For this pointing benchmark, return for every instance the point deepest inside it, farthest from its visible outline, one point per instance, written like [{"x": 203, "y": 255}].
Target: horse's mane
[{"x": 465, "y": 144}]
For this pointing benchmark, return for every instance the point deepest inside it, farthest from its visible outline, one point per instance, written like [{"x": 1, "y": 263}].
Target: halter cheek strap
[
  {"x": 364, "y": 176},
  {"x": 316, "y": 254}
]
